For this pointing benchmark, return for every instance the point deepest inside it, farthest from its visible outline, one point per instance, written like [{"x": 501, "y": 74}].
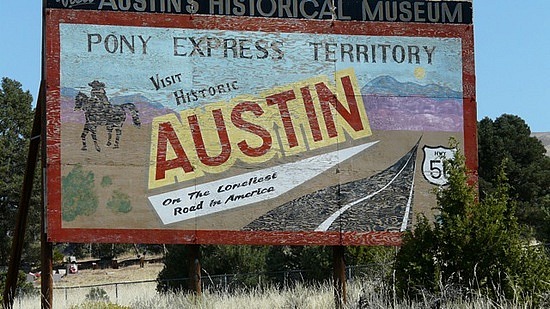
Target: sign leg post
[
  {"x": 339, "y": 276},
  {"x": 46, "y": 283},
  {"x": 22, "y": 214},
  {"x": 193, "y": 258}
]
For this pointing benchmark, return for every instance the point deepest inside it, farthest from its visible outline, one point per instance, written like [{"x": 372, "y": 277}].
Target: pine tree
[
  {"x": 16, "y": 116},
  {"x": 509, "y": 138},
  {"x": 472, "y": 246}
]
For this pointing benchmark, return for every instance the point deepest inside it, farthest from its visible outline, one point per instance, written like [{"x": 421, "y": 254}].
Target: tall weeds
[{"x": 362, "y": 293}]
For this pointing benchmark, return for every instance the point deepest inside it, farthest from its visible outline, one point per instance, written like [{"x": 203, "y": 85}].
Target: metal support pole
[
  {"x": 23, "y": 211},
  {"x": 339, "y": 276}
]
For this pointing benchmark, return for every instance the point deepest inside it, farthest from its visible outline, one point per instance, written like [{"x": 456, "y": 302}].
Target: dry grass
[
  {"x": 364, "y": 293},
  {"x": 72, "y": 289},
  {"x": 360, "y": 293}
]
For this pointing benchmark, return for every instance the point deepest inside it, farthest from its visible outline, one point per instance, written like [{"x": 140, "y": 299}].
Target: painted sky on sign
[
  {"x": 511, "y": 48},
  {"x": 284, "y": 58}
]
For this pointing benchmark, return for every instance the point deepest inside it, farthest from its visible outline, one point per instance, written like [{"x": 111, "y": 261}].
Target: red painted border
[{"x": 52, "y": 126}]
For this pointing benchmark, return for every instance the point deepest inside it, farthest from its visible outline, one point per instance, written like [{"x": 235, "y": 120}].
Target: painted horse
[{"x": 100, "y": 112}]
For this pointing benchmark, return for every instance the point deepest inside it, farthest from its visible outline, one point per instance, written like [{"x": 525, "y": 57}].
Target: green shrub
[
  {"x": 79, "y": 197},
  {"x": 106, "y": 181},
  {"x": 24, "y": 288},
  {"x": 474, "y": 247},
  {"x": 243, "y": 261},
  {"x": 120, "y": 202},
  {"x": 97, "y": 295},
  {"x": 99, "y": 305}
]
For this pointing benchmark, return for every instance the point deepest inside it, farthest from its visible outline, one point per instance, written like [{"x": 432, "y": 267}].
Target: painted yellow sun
[{"x": 419, "y": 73}]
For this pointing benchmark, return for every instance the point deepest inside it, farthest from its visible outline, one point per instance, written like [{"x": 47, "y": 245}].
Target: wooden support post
[
  {"x": 23, "y": 211},
  {"x": 193, "y": 259},
  {"x": 46, "y": 247},
  {"x": 46, "y": 259},
  {"x": 339, "y": 276},
  {"x": 46, "y": 278}
]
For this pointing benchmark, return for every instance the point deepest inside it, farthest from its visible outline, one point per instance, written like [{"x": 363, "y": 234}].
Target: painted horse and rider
[{"x": 99, "y": 112}]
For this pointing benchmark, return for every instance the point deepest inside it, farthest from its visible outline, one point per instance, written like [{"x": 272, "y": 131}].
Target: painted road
[{"x": 379, "y": 203}]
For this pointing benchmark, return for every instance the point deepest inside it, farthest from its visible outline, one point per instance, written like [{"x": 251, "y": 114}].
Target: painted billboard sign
[{"x": 179, "y": 128}]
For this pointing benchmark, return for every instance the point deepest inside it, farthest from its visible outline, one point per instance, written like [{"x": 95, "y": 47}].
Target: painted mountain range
[
  {"x": 147, "y": 109},
  {"x": 392, "y": 105}
]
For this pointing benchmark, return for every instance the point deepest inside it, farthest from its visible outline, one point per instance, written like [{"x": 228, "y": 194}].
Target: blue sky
[{"x": 512, "y": 54}]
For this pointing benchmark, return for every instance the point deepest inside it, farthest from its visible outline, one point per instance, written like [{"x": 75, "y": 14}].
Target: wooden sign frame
[{"x": 60, "y": 230}]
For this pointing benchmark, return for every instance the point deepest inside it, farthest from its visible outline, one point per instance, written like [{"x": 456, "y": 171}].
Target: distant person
[{"x": 142, "y": 260}]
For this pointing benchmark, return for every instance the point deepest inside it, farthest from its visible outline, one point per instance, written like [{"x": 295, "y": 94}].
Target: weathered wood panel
[{"x": 203, "y": 128}]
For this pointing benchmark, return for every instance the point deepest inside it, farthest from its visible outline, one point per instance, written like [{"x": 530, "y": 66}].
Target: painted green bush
[
  {"x": 106, "y": 181},
  {"x": 78, "y": 194},
  {"x": 120, "y": 202}
]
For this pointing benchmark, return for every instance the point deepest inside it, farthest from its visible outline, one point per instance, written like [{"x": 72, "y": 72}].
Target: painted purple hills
[
  {"x": 147, "y": 109},
  {"x": 390, "y": 104}
]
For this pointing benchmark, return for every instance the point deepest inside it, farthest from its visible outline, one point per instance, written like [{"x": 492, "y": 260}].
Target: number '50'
[{"x": 437, "y": 169}]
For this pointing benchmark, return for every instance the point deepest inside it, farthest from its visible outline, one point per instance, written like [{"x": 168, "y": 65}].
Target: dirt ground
[{"x": 108, "y": 275}]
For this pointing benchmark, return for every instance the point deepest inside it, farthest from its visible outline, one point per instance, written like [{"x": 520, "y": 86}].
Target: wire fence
[
  {"x": 287, "y": 278},
  {"x": 126, "y": 292},
  {"x": 122, "y": 293},
  {"x": 113, "y": 291}
]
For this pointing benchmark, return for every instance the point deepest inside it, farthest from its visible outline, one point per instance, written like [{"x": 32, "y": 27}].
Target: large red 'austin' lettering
[
  {"x": 311, "y": 114},
  {"x": 239, "y": 122},
  {"x": 326, "y": 97},
  {"x": 281, "y": 100},
  {"x": 199, "y": 141},
  {"x": 167, "y": 134}
]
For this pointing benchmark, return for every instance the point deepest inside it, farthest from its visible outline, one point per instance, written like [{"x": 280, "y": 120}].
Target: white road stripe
[
  {"x": 328, "y": 222},
  {"x": 409, "y": 202}
]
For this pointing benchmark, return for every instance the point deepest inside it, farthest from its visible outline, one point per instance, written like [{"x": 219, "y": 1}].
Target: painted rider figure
[{"x": 98, "y": 91}]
